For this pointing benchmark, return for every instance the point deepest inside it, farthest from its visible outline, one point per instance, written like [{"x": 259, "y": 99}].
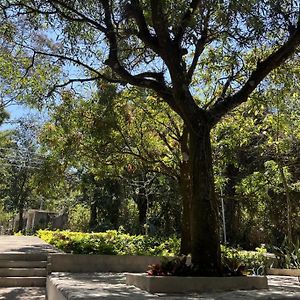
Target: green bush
[
  {"x": 288, "y": 254},
  {"x": 79, "y": 218},
  {"x": 110, "y": 242},
  {"x": 117, "y": 243},
  {"x": 247, "y": 262}
]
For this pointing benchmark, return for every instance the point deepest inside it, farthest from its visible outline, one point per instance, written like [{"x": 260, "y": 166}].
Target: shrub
[
  {"x": 79, "y": 217},
  {"x": 288, "y": 254},
  {"x": 173, "y": 267},
  {"x": 110, "y": 242},
  {"x": 235, "y": 261}
]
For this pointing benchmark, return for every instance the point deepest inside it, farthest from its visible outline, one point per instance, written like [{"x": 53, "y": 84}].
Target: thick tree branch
[
  {"x": 83, "y": 17},
  {"x": 199, "y": 48},
  {"x": 137, "y": 80},
  {"x": 77, "y": 62},
  {"x": 160, "y": 25},
  {"x": 187, "y": 17},
  {"x": 221, "y": 108},
  {"x": 72, "y": 80},
  {"x": 134, "y": 10}
]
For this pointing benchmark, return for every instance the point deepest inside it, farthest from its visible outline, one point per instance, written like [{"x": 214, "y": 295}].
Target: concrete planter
[
  {"x": 174, "y": 284},
  {"x": 283, "y": 272},
  {"x": 81, "y": 263}
]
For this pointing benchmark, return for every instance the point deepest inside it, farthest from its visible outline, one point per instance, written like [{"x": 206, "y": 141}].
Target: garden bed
[{"x": 176, "y": 284}]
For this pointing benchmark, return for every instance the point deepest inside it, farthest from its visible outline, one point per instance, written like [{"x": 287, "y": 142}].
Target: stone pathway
[
  {"x": 22, "y": 293},
  {"x": 24, "y": 244},
  {"x": 92, "y": 286},
  {"x": 10, "y": 244}
]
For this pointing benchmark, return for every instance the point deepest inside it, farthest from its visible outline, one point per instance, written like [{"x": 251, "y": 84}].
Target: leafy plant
[
  {"x": 110, "y": 242},
  {"x": 173, "y": 267},
  {"x": 288, "y": 254},
  {"x": 237, "y": 262}
]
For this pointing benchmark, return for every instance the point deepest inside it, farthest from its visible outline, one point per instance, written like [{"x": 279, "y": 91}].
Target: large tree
[{"x": 158, "y": 45}]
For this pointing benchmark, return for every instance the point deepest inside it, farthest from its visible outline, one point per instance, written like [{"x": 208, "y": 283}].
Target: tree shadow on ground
[{"x": 18, "y": 293}]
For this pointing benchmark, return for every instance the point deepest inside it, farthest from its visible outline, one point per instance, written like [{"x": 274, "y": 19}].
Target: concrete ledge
[
  {"x": 173, "y": 284},
  {"x": 22, "y": 281},
  {"x": 283, "y": 272},
  {"x": 53, "y": 292},
  {"x": 79, "y": 263}
]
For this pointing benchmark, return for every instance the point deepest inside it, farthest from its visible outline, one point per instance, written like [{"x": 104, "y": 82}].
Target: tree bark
[
  {"x": 185, "y": 190},
  {"x": 205, "y": 237},
  {"x": 232, "y": 207},
  {"x": 142, "y": 204},
  {"x": 21, "y": 219},
  {"x": 288, "y": 201},
  {"x": 186, "y": 193},
  {"x": 94, "y": 216}
]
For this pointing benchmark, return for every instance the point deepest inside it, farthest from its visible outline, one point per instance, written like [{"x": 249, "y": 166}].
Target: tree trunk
[
  {"x": 288, "y": 201},
  {"x": 205, "y": 237},
  {"x": 21, "y": 219},
  {"x": 93, "y": 217},
  {"x": 186, "y": 192},
  {"x": 142, "y": 204},
  {"x": 232, "y": 207}
]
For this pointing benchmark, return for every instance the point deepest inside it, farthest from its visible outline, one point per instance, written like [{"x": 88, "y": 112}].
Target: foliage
[
  {"x": 78, "y": 218},
  {"x": 4, "y": 216},
  {"x": 174, "y": 267},
  {"x": 23, "y": 78},
  {"x": 239, "y": 262},
  {"x": 158, "y": 45},
  {"x": 288, "y": 254},
  {"x": 235, "y": 261},
  {"x": 248, "y": 146},
  {"x": 110, "y": 242}
]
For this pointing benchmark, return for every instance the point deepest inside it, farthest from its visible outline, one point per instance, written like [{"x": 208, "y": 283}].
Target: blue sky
[{"x": 18, "y": 111}]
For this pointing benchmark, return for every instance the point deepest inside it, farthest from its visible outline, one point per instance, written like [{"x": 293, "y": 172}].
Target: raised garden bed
[
  {"x": 176, "y": 284},
  {"x": 283, "y": 272}
]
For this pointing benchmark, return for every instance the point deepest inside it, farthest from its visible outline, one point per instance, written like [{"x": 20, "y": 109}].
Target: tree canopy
[{"x": 159, "y": 45}]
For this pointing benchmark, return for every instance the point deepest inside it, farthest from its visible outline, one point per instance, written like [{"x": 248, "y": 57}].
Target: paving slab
[
  {"x": 24, "y": 244},
  {"x": 18, "y": 293},
  {"x": 92, "y": 286}
]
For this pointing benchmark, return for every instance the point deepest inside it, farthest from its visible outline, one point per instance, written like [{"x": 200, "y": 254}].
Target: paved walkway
[
  {"x": 22, "y": 293},
  {"x": 23, "y": 244},
  {"x": 27, "y": 245},
  {"x": 92, "y": 286}
]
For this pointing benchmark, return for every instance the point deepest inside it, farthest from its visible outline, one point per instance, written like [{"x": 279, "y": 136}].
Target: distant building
[{"x": 35, "y": 219}]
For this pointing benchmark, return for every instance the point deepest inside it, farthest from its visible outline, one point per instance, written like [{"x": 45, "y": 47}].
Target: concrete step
[
  {"x": 26, "y": 272},
  {"x": 22, "y": 293},
  {"x": 23, "y": 264},
  {"x": 30, "y": 298},
  {"x": 13, "y": 297},
  {"x": 22, "y": 281},
  {"x": 22, "y": 256}
]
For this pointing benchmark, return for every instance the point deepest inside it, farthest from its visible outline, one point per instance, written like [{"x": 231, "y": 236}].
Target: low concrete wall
[
  {"x": 53, "y": 292},
  {"x": 283, "y": 272},
  {"x": 100, "y": 263},
  {"x": 173, "y": 284}
]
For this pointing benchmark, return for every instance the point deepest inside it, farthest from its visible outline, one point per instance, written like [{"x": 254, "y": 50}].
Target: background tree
[
  {"x": 20, "y": 160},
  {"x": 126, "y": 142},
  {"x": 246, "y": 147}
]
